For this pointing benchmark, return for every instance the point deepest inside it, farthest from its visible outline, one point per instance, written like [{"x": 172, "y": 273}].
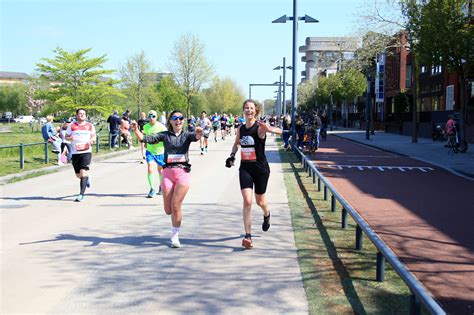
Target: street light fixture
[
  {"x": 284, "y": 67},
  {"x": 294, "y": 18}
]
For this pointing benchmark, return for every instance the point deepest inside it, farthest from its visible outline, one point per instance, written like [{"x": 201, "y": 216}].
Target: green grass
[
  {"x": 34, "y": 156},
  {"x": 337, "y": 278}
]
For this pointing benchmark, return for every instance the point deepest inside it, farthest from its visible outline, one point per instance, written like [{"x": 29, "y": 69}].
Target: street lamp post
[
  {"x": 294, "y": 18},
  {"x": 284, "y": 67}
]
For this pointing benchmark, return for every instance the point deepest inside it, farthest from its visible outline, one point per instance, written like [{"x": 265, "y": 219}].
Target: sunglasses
[
  {"x": 174, "y": 118},
  {"x": 152, "y": 116}
]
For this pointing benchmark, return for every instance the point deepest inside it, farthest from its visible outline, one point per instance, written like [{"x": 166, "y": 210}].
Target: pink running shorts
[{"x": 174, "y": 176}]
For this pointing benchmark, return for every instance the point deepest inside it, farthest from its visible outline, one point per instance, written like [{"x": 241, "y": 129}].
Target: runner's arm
[{"x": 236, "y": 145}]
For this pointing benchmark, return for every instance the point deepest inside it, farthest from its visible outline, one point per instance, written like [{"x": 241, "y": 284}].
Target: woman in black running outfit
[{"x": 254, "y": 170}]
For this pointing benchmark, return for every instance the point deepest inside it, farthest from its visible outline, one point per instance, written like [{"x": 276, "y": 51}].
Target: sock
[
  {"x": 175, "y": 230},
  {"x": 160, "y": 178},
  {"x": 151, "y": 180},
  {"x": 83, "y": 185},
  {"x": 248, "y": 236},
  {"x": 202, "y": 149}
]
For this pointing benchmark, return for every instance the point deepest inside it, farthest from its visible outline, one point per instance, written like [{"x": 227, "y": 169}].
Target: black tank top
[{"x": 252, "y": 150}]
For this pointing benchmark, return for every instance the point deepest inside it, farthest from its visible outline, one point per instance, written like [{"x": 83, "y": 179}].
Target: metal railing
[
  {"x": 105, "y": 144},
  {"x": 419, "y": 292}
]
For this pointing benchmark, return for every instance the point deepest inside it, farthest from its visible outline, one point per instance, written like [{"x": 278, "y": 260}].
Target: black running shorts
[
  {"x": 81, "y": 161},
  {"x": 250, "y": 178}
]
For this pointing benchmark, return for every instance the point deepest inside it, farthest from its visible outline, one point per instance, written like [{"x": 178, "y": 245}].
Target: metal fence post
[
  {"x": 415, "y": 306},
  {"x": 333, "y": 203},
  {"x": 314, "y": 177},
  {"x": 344, "y": 218},
  {"x": 358, "y": 238},
  {"x": 46, "y": 155},
  {"x": 22, "y": 156},
  {"x": 97, "y": 143},
  {"x": 319, "y": 184},
  {"x": 325, "y": 192},
  {"x": 380, "y": 271}
]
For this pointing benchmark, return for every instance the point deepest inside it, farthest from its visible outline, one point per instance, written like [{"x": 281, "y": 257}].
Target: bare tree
[
  {"x": 134, "y": 79},
  {"x": 189, "y": 65}
]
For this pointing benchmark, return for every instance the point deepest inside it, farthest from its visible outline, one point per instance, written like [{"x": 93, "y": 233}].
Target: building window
[{"x": 423, "y": 69}]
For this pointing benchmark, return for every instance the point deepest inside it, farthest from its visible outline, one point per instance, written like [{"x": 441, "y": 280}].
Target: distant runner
[{"x": 82, "y": 136}]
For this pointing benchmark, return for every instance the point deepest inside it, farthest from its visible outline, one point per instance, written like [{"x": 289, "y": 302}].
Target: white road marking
[{"x": 382, "y": 168}]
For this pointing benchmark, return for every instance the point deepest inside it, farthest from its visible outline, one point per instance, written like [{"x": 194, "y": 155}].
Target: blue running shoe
[{"x": 151, "y": 194}]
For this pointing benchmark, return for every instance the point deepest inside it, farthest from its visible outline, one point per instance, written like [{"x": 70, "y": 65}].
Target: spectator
[
  {"x": 125, "y": 132},
  {"x": 114, "y": 124},
  {"x": 65, "y": 144},
  {"x": 49, "y": 134},
  {"x": 141, "y": 122},
  {"x": 286, "y": 131}
]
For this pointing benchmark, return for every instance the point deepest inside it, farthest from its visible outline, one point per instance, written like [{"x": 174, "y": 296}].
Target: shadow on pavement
[{"x": 146, "y": 240}]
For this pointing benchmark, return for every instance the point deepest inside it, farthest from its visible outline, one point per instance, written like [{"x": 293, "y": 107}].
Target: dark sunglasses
[
  {"x": 152, "y": 116},
  {"x": 174, "y": 118}
]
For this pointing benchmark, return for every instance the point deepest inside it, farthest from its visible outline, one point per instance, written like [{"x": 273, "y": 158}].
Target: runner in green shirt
[{"x": 154, "y": 152}]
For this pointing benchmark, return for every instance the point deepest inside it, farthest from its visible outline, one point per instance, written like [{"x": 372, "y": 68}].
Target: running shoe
[
  {"x": 175, "y": 241},
  {"x": 79, "y": 198},
  {"x": 206, "y": 149},
  {"x": 151, "y": 194},
  {"x": 88, "y": 183},
  {"x": 266, "y": 223},
  {"x": 247, "y": 243}
]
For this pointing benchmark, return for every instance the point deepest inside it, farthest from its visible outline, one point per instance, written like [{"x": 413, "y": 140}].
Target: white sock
[{"x": 175, "y": 230}]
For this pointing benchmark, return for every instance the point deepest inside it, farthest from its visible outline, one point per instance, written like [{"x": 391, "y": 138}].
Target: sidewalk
[{"x": 426, "y": 150}]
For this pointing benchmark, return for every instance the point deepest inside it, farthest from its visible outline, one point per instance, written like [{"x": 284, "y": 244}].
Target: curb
[{"x": 4, "y": 180}]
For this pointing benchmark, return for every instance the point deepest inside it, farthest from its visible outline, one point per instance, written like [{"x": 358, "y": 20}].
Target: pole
[
  {"x": 284, "y": 86},
  {"x": 280, "y": 104},
  {"x": 367, "y": 111},
  {"x": 330, "y": 113},
  {"x": 293, "y": 75},
  {"x": 250, "y": 90}
]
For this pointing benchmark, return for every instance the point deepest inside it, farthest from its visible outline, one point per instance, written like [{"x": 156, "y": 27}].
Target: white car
[{"x": 24, "y": 119}]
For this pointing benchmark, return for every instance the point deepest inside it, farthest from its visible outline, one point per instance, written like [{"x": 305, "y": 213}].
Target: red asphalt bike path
[{"x": 422, "y": 212}]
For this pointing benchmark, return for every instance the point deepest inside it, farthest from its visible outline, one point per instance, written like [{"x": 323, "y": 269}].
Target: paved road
[
  {"x": 110, "y": 253},
  {"x": 423, "y": 212}
]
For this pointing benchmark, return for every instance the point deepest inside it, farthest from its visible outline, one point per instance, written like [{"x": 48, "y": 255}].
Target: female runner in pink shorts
[{"x": 175, "y": 182}]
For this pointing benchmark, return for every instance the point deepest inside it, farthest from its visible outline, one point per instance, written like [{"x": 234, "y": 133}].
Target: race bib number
[
  {"x": 248, "y": 154},
  {"x": 82, "y": 146},
  {"x": 176, "y": 158}
]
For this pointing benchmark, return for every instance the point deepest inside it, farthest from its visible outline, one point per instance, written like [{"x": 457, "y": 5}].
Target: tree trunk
[
  {"x": 414, "y": 131},
  {"x": 462, "y": 86}
]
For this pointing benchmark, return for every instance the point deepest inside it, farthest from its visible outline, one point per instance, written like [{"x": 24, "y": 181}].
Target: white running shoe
[{"x": 175, "y": 241}]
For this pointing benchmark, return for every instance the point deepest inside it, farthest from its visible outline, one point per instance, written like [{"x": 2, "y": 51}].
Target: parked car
[{"x": 24, "y": 119}]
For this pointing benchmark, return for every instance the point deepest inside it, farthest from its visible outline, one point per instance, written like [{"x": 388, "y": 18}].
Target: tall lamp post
[
  {"x": 284, "y": 67},
  {"x": 294, "y": 18}
]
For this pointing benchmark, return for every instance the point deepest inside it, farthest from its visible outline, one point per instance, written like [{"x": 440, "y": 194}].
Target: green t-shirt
[
  {"x": 231, "y": 120},
  {"x": 157, "y": 148}
]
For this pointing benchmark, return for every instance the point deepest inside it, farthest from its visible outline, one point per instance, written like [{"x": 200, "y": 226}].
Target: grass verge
[{"x": 337, "y": 278}]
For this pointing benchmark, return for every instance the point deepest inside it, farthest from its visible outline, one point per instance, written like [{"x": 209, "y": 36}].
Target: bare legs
[
  {"x": 247, "y": 207},
  {"x": 173, "y": 200}
]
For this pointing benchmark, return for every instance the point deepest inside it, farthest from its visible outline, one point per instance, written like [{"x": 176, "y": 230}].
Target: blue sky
[{"x": 241, "y": 42}]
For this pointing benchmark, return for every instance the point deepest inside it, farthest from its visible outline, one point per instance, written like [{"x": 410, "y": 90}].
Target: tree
[
  {"x": 79, "y": 82},
  {"x": 170, "y": 95},
  {"x": 137, "y": 80},
  {"x": 13, "y": 98},
  {"x": 268, "y": 105},
  {"x": 224, "y": 96},
  {"x": 189, "y": 65},
  {"x": 446, "y": 38}
]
